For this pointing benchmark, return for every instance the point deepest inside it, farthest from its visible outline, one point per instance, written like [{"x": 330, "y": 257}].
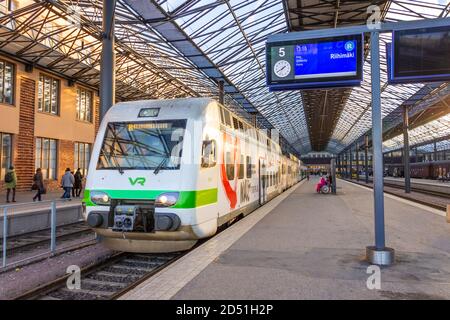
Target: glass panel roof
[
  {"x": 230, "y": 33},
  {"x": 356, "y": 116},
  {"x": 433, "y": 130}
]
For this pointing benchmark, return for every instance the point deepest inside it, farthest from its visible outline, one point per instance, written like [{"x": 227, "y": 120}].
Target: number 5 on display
[{"x": 281, "y": 52}]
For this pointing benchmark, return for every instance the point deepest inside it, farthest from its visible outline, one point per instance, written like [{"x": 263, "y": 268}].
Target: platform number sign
[{"x": 281, "y": 60}]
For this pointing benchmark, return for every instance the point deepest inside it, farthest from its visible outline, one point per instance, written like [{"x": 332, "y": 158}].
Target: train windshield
[{"x": 154, "y": 145}]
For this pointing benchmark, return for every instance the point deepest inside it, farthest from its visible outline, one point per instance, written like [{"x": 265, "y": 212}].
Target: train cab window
[
  {"x": 235, "y": 123},
  {"x": 209, "y": 155},
  {"x": 249, "y": 167},
  {"x": 229, "y": 166},
  {"x": 241, "y": 168},
  {"x": 227, "y": 117}
]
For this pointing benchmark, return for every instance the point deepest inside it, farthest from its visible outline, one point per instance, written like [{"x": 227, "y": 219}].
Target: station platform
[
  {"x": 27, "y": 197},
  {"x": 26, "y": 216},
  {"x": 424, "y": 181},
  {"x": 304, "y": 245}
]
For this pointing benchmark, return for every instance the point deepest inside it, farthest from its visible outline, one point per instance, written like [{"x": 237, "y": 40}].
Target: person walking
[
  {"x": 11, "y": 183},
  {"x": 77, "y": 186},
  {"x": 38, "y": 184},
  {"x": 67, "y": 182}
]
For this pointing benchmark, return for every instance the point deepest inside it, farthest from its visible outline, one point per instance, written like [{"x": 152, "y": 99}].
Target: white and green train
[{"x": 166, "y": 173}]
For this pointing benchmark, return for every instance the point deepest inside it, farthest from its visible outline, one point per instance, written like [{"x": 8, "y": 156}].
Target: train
[
  {"x": 424, "y": 170},
  {"x": 166, "y": 173}
]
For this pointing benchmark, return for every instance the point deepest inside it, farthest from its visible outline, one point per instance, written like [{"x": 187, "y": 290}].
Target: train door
[{"x": 262, "y": 182}]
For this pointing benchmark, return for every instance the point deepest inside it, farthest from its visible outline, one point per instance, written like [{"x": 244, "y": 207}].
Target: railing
[{"x": 36, "y": 206}]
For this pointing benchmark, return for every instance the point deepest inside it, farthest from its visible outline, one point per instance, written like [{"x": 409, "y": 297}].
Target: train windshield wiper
[{"x": 160, "y": 165}]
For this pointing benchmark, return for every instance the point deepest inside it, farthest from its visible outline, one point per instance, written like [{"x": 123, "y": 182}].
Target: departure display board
[
  {"x": 319, "y": 63},
  {"x": 419, "y": 55}
]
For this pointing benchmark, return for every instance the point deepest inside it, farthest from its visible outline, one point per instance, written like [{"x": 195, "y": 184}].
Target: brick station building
[{"x": 45, "y": 122}]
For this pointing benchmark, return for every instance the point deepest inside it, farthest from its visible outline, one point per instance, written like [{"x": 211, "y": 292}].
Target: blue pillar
[
  {"x": 377, "y": 254},
  {"x": 107, "y": 64}
]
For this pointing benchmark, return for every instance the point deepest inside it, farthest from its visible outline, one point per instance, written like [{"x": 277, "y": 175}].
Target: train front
[{"x": 132, "y": 198}]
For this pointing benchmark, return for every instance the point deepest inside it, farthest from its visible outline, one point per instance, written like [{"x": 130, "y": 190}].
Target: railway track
[
  {"x": 31, "y": 240},
  {"x": 106, "y": 280},
  {"x": 440, "y": 202}
]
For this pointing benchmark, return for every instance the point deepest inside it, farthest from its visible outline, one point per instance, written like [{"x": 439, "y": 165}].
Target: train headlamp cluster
[
  {"x": 167, "y": 199},
  {"x": 100, "y": 198}
]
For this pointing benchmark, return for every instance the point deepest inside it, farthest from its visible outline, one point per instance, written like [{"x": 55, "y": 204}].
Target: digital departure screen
[
  {"x": 420, "y": 55},
  {"x": 326, "y": 59},
  {"x": 330, "y": 62}
]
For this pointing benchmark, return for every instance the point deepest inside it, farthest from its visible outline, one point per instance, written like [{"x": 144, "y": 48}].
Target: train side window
[
  {"x": 227, "y": 117},
  {"x": 249, "y": 167},
  {"x": 241, "y": 168},
  {"x": 229, "y": 166},
  {"x": 235, "y": 123},
  {"x": 209, "y": 155},
  {"x": 222, "y": 118}
]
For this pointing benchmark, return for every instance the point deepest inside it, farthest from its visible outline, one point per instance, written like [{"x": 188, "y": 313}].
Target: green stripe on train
[{"x": 187, "y": 199}]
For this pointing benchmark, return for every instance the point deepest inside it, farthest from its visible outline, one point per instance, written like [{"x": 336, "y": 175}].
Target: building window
[
  {"x": 6, "y": 82},
  {"x": 81, "y": 156},
  {"x": 5, "y": 153},
  {"x": 46, "y": 157},
  {"x": 84, "y": 105},
  {"x": 48, "y": 94}
]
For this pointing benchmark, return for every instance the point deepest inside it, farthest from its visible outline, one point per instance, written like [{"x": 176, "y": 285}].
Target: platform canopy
[{"x": 182, "y": 48}]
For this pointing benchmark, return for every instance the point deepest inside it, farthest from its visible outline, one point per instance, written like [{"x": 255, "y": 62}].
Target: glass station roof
[
  {"x": 180, "y": 48},
  {"x": 356, "y": 117},
  {"x": 431, "y": 131},
  {"x": 232, "y": 35}
]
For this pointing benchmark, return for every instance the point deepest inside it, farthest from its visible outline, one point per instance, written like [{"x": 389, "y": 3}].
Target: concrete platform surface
[{"x": 312, "y": 246}]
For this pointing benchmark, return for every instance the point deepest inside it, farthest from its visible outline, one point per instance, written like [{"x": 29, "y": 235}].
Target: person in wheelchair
[{"x": 322, "y": 182}]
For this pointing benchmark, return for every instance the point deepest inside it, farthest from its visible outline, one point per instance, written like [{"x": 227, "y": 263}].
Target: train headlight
[
  {"x": 100, "y": 198},
  {"x": 167, "y": 199}
]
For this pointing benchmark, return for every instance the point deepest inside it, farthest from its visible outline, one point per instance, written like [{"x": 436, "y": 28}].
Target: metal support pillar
[
  {"x": 366, "y": 157},
  {"x": 377, "y": 254},
  {"x": 406, "y": 150},
  {"x": 333, "y": 175},
  {"x": 338, "y": 161},
  {"x": 221, "y": 92},
  {"x": 435, "y": 151},
  {"x": 357, "y": 162},
  {"x": 53, "y": 227},
  {"x": 108, "y": 63},
  {"x": 350, "y": 155},
  {"x": 5, "y": 235}
]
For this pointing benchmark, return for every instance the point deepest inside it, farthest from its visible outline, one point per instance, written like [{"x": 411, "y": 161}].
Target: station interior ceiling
[{"x": 182, "y": 48}]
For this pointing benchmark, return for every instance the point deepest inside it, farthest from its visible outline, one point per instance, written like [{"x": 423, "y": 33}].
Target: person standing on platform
[
  {"x": 77, "y": 186},
  {"x": 67, "y": 182},
  {"x": 11, "y": 183},
  {"x": 38, "y": 184}
]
